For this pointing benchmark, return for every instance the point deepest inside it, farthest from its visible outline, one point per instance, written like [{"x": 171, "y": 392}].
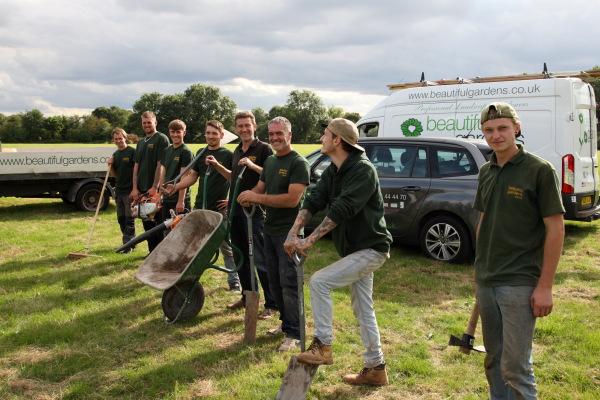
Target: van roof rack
[{"x": 589, "y": 74}]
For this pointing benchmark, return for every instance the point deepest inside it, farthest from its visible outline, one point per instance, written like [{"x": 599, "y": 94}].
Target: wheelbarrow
[{"x": 176, "y": 264}]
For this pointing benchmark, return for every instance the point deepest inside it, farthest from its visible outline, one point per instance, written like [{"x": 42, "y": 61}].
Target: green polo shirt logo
[
  {"x": 252, "y": 158},
  {"x": 515, "y": 192},
  {"x": 150, "y": 146},
  {"x": 283, "y": 172}
]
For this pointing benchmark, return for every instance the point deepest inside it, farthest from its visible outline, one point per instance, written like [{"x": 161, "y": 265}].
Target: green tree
[
  {"x": 335, "y": 112},
  {"x": 11, "y": 130},
  {"x": 54, "y": 127},
  {"x": 262, "y": 119},
  {"x": 33, "y": 125},
  {"x": 352, "y": 116},
  {"x": 203, "y": 103},
  {"x": 305, "y": 111},
  {"x": 116, "y": 116}
]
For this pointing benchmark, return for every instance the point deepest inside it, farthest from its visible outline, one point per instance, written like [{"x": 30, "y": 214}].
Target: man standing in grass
[
  {"x": 175, "y": 158},
  {"x": 520, "y": 238},
  {"x": 217, "y": 185},
  {"x": 349, "y": 190},
  {"x": 280, "y": 189},
  {"x": 121, "y": 164},
  {"x": 250, "y": 153},
  {"x": 146, "y": 171}
]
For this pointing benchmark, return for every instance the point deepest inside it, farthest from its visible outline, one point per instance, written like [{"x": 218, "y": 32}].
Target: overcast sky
[{"x": 65, "y": 57}]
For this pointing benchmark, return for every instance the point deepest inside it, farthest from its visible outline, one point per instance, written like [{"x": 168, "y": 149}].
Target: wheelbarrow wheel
[{"x": 183, "y": 301}]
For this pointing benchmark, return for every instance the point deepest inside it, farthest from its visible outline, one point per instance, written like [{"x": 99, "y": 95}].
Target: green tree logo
[{"x": 411, "y": 127}]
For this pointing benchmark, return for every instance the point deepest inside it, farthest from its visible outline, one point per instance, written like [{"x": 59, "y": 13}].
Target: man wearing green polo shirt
[
  {"x": 349, "y": 190},
  {"x": 284, "y": 178},
  {"x": 519, "y": 242},
  {"x": 146, "y": 171},
  {"x": 176, "y": 157},
  {"x": 217, "y": 185}
]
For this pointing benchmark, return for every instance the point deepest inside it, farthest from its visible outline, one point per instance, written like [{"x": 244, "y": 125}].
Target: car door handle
[{"x": 411, "y": 188}]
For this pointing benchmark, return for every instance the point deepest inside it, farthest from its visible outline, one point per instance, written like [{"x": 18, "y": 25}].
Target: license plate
[{"x": 586, "y": 201}]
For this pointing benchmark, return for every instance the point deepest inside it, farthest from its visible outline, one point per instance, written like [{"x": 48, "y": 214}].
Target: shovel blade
[
  {"x": 250, "y": 316},
  {"x": 296, "y": 380}
]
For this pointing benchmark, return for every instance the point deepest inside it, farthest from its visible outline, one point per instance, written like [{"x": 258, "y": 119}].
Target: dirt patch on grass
[
  {"x": 583, "y": 293},
  {"x": 200, "y": 388},
  {"x": 31, "y": 355},
  {"x": 35, "y": 390},
  {"x": 226, "y": 339},
  {"x": 11, "y": 252}
]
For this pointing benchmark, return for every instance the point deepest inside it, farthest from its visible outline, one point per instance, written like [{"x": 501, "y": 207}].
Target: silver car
[{"x": 428, "y": 187}]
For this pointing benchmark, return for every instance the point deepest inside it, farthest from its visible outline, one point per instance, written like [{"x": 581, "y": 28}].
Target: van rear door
[{"x": 585, "y": 158}]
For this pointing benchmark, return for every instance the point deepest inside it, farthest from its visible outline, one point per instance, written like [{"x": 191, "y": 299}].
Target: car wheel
[
  {"x": 446, "y": 239},
  {"x": 89, "y": 195}
]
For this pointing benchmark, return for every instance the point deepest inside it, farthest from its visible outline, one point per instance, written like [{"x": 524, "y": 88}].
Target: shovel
[
  {"x": 251, "y": 296},
  {"x": 298, "y": 376}
]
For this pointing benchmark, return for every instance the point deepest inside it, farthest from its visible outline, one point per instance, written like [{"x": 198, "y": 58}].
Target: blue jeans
[
  {"x": 354, "y": 270},
  {"x": 507, "y": 322},
  {"x": 283, "y": 284}
]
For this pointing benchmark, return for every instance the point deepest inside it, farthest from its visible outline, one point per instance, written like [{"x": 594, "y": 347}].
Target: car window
[
  {"x": 453, "y": 162},
  {"x": 401, "y": 161},
  {"x": 370, "y": 129},
  {"x": 320, "y": 166}
]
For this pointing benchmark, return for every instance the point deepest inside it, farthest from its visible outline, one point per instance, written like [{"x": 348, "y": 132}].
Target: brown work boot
[
  {"x": 267, "y": 313},
  {"x": 237, "y": 305},
  {"x": 376, "y": 376},
  {"x": 316, "y": 354}
]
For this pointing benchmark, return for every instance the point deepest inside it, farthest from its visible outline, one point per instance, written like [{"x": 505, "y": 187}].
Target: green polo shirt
[
  {"x": 514, "y": 199},
  {"x": 123, "y": 162},
  {"x": 278, "y": 174},
  {"x": 174, "y": 160},
  {"x": 148, "y": 153},
  {"x": 217, "y": 186}
]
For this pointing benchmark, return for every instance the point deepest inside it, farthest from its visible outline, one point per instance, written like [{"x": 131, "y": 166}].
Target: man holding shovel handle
[
  {"x": 212, "y": 165},
  {"x": 284, "y": 178},
  {"x": 349, "y": 189}
]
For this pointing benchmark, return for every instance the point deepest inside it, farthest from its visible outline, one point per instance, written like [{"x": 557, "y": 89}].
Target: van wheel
[
  {"x": 445, "y": 238},
  {"x": 88, "y": 196}
]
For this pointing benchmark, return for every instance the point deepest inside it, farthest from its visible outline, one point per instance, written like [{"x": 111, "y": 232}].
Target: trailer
[{"x": 74, "y": 175}]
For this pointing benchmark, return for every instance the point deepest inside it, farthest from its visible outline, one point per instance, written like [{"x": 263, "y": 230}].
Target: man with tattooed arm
[{"x": 349, "y": 189}]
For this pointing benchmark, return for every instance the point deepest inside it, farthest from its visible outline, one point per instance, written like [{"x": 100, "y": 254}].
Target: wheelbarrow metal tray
[{"x": 185, "y": 252}]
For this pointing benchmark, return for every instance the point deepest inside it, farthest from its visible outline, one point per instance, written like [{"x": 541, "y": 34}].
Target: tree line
[{"x": 196, "y": 105}]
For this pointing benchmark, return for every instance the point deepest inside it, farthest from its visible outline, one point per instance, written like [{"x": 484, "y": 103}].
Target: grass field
[{"x": 89, "y": 330}]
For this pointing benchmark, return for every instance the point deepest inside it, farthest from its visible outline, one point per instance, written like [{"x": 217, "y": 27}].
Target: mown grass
[{"x": 89, "y": 330}]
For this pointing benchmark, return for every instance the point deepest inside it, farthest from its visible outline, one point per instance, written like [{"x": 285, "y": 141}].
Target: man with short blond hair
[
  {"x": 519, "y": 241},
  {"x": 146, "y": 171},
  {"x": 175, "y": 159}
]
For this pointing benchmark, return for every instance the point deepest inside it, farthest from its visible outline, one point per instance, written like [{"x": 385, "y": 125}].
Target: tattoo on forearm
[
  {"x": 324, "y": 227},
  {"x": 302, "y": 219}
]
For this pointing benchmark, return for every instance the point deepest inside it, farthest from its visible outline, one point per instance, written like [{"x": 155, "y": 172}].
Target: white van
[{"x": 558, "y": 122}]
